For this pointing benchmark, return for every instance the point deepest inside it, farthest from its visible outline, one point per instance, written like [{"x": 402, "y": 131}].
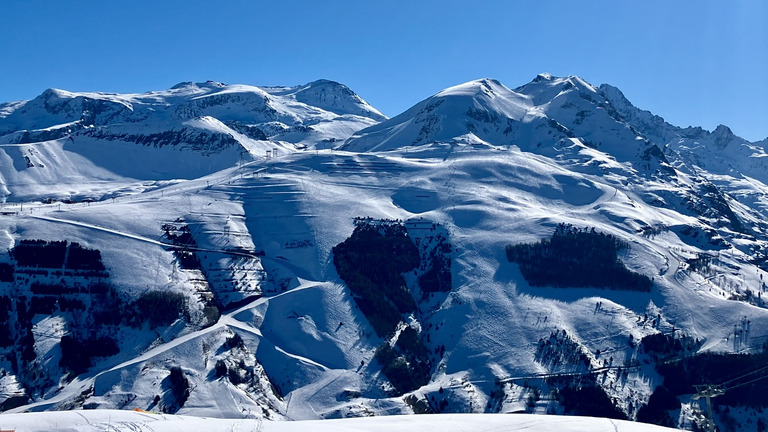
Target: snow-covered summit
[
  {"x": 538, "y": 116},
  {"x": 199, "y": 85},
  {"x": 309, "y": 104},
  {"x": 546, "y": 87},
  {"x": 330, "y": 96},
  {"x": 484, "y": 107},
  {"x": 109, "y": 129}
]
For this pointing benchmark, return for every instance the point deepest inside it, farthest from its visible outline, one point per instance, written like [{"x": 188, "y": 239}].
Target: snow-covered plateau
[{"x": 230, "y": 257}]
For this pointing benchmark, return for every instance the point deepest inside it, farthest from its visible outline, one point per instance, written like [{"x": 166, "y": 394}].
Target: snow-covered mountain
[
  {"x": 288, "y": 253},
  {"x": 718, "y": 152},
  {"x": 534, "y": 117},
  {"x": 188, "y": 131}
]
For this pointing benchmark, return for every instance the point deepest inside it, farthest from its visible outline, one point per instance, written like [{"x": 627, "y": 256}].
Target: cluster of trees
[
  {"x": 656, "y": 411},
  {"x": 437, "y": 278},
  {"x": 40, "y": 253},
  {"x": 178, "y": 384},
  {"x": 559, "y": 349},
  {"x": 159, "y": 308},
  {"x": 6, "y": 272},
  {"x": 51, "y": 254},
  {"x": 715, "y": 368},
  {"x": 95, "y": 301},
  {"x": 372, "y": 262},
  {"x": 82, "y": 258},
  {"x": 26, "y": 340},
  {"x": 576, "y": 257},
  {"x": 589, "y": 400},
  {"x": 53, "y": 289},
  {"x": 234, "y": 342},
  {"x": 107, "y": 306},
  {"x": 70, "y": 304},
  {"x": 43, "y": 305},
  {"x": 33, "y": 256},
  {"x": 181, "y": 237},
  {"x": 406, "y": 365},
  {"x": 155, "y": 308},
  {"x": 5, "y": 316},
  {"x": 700, "y": 263},
  {"x": 77, "y": 354},
  {"x": 583, "y": 396},
  {"x": 661, "y": 346},
  {"x": 221, "y": 369},
  {"x": 64, "y": 292}
]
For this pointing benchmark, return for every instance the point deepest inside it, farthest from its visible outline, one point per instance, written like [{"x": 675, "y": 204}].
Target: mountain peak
[
  {"x": 546, "y": 76},
  {"x": 722, "y": 130},
  {"x": 546, "y": 87},
  {"x": 334, "y": 97},
  {"x": 56, "y": 93},
  {"x": 323, "y": 81},
  {"x": 552, "y": 80},
  {"x": 478, "y": 87},
  {"x": 722, "y": 136},
  {"x": 182, "y": 85},
  {"x": 207, "y": 85},
  {"x": 489, "y": 82}
]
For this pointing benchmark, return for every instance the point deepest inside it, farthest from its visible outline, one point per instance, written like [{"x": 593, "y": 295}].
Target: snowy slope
[
  {"x": 490, "y": 165},
  {"x": 131, "y": 421},
  {"x": 185, "y": 132}
]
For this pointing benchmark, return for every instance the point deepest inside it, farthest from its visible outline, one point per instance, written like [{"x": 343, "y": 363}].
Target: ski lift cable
[
  {"x": 725, "y": 384},
  {"x": 748, "y": 382}
]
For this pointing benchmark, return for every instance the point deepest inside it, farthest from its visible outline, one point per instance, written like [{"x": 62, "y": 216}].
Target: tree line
[{"x": 576, "y": 257}]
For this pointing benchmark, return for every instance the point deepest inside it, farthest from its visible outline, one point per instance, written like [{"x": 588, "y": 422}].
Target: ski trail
[
  {"x": 141, "y": 238},
  {"x": 226, "y": 320},
  {"x": 257, "y": 332}
]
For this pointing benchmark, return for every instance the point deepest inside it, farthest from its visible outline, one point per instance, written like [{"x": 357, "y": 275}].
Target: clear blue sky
[{"x": 694, "y": 62}]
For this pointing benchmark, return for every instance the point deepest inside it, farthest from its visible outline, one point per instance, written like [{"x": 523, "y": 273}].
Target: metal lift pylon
[{"x": 708, "y": 391}]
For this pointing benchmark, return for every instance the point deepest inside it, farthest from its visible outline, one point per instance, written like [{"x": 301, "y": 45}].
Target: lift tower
[{"x": 708, "y": 391}]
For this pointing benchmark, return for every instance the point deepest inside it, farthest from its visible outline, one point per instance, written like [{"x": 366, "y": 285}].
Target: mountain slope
[{"x": 218, "y": 283}]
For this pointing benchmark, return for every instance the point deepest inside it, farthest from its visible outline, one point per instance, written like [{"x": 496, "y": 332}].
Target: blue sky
[{"x": 696, "y": 62}]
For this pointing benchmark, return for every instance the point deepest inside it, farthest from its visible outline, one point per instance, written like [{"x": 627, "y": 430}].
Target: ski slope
[
  {"x": 493, "y": 166},
  {"x": 120, "y": 421}
]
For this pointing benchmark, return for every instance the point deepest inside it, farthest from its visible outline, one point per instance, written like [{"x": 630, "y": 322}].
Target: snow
[
  {"x": 537, "y": 117},
  {"x": 330, "y": 96},
  {"x": 305, "y": 335},
  {"x": 110, "y": 420}
]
